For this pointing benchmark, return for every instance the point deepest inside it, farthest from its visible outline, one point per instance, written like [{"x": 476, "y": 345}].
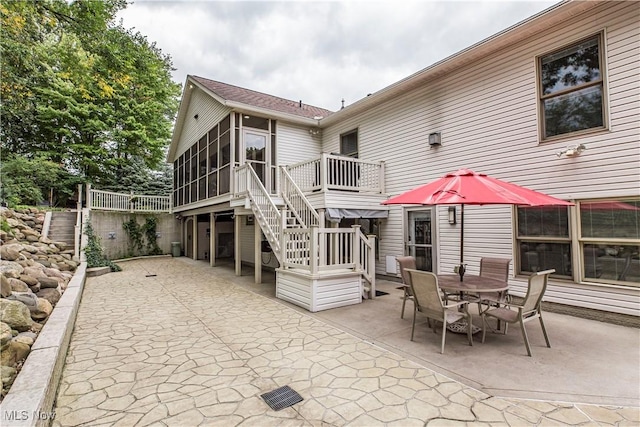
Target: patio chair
[
  {"x": 529, "y": 310},
  {"x": 406, "y": 262},
  {"x": 428, "y": 300},
  {"x": 498, "y": 269}
]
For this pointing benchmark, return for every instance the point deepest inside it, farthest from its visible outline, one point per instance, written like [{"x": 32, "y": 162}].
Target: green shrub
[{"x": 93, "y": 251}]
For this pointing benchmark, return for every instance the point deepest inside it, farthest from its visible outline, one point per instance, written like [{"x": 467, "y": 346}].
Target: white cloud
[{"x": 319, "y": 52}]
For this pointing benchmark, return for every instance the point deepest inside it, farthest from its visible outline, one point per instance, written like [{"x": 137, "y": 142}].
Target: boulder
[
  {"x": 14, "y": 352},
  {"x": 30, "y": 281},
  {"x": 48, "y": 282},
  {"x": 32, "y": 238},
  {"x": 11, "y": 268},
  {"x": 27, "y": 298},
  {"x": 42, "y": 310},
  {"x": 5, "y": 334},
  {"x": 15, "y": 314},
  {"x": 7, "y": 374},
  {"x": 35, "y": 288},
  {"x": 44, "y": 262},
  {"x": 35, "y": 271},
  {"x": 50, "y": 294},
  {"x": 10, "y": 252},
  {"x": 5, "y": 286},
  {"x": 18, "y": 285},
  {"x": 52, "y": 272}
]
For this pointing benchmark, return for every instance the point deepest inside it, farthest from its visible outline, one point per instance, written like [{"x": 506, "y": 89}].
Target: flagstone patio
[{"x": 171, "y": 341}]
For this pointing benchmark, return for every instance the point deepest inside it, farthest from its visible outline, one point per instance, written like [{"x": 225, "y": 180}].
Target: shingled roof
[{"x": 261, "y": 100}]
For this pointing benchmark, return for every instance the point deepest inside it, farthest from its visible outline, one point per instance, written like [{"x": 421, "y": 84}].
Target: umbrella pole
[{"x": 461, "y": 234}]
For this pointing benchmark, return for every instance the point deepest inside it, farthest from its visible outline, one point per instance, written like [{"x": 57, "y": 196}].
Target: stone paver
[{"x": 187, "y": 348}]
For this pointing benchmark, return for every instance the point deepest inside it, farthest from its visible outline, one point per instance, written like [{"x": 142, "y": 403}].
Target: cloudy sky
[{"x": 317, "y": 52}]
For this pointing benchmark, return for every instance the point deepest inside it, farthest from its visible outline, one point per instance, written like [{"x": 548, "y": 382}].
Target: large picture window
[
  {"x": 572, "y": 89},
  {"x": 610, "y": 240},
  {"x": 544, "y": 241}
]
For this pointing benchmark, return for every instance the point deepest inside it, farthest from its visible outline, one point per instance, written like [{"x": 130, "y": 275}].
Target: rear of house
[{"x": 551, "y": 104}]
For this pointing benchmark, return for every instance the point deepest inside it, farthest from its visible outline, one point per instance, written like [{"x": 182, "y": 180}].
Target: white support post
[
  {"x": 88, "y": 198},
  {"x": 313, "y": 250},
  {"x": 236, "y": 249},
  {"x": 323, "y": 172},
  {"x": 257, "y": 253},
  {"x": 371, "y": 264},
  {"x": 131, "y": 205},
  {"x": 355, "y": 243},
  {"x": 382, "y": 183},
  {"x": 212, "y": 239},
  {"x": 283, "y": 226},
  {"x": 322, "y": 245},
  {"x": 194, "y": 237}
]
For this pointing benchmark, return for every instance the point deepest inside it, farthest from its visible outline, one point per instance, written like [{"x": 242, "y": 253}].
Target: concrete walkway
[{"x": 188, "y": 347}]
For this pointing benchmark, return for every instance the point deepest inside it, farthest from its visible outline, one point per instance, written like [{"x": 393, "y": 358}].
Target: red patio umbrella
[{"x": 466, "y": 187}]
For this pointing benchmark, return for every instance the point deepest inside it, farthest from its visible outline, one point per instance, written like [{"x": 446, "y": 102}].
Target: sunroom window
[{"x": 572, "y": 89}]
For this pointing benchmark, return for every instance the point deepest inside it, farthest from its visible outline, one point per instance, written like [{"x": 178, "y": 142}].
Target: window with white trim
[{"x": 571, "y": 88}]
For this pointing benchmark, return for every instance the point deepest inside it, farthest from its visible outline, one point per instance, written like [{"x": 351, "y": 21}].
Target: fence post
[
  {"x": 382, "y": 183},
  {"x": 131, "y": 202}
]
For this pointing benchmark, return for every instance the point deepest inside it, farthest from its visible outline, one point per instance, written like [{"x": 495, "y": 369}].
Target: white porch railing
[
  {"x": 110, "y": 201},
  {"x": 267, "y": 214},
  {"x": 332, "y": 172},
  {"x": 297, "y": 202},
  {"x": 317, "y": 249}
]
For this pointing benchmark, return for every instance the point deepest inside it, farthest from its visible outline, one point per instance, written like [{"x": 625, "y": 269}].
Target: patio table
[{"x": 470, "y": 284}]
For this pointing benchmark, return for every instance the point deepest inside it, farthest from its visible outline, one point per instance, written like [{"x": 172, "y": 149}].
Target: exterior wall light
[
  {"x": 452, "y": 215},
  {"x": 435, "y": 139},
  {"x": 112, "y": 235}
]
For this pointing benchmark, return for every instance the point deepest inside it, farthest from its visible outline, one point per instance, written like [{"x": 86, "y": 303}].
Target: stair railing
[
  {"x": 265, "y": 211},
  {"x": 298, "y": 204}
]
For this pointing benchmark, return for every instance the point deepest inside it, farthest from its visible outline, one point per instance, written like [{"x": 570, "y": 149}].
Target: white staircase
[{"x": 296, "y": 236}]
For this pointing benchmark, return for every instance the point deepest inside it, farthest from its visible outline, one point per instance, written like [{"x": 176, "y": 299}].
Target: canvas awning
[{"x": 336, "y": 214}]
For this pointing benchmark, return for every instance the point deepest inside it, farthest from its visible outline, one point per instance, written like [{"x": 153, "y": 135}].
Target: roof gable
[{"x": 261, "y": 100}]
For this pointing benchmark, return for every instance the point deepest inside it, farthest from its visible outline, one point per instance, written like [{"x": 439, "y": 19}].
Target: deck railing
[
  {"x": 110, "y": 201},
  {"x": 324, "y": 249},
  {"x": 334, "y": 172}
]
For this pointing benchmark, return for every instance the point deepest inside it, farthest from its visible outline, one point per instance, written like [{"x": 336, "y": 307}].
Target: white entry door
[
  {"x": 420, "y": 238},
  {"x": 257, "y": 152}
]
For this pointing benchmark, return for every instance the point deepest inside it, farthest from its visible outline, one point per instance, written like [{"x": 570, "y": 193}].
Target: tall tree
[{"x": 81, "y": 91}]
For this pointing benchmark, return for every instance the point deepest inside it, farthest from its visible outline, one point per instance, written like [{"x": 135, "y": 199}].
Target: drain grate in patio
[{"x": 281, "y": 398}]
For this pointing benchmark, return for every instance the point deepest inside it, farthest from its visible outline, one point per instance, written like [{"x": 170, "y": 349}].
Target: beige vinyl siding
[
  {"x": 295, "y": 144},
  {"x": 487, "y": 114},
  {"x": 209, "y": 112}
]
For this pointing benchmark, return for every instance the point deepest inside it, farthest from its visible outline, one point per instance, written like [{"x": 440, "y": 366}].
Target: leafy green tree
[{"x": 82, "y": 92}]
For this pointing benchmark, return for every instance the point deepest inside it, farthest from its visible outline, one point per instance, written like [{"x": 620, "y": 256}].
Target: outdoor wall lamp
[
  {"x": 314, "y": 132},
  {"x": 572, "y": 151},
  {"x": 435, "y": 139},
  {"x": 112, "y": 235},
  {"x": 452, "y": 215}
]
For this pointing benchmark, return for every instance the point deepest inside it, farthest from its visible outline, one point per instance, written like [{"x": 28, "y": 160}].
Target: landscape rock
[
  {"x": 7, "y": 374},
  {"x": 15, "y": 314},
  {"x": 11, "y": 268},
  {"x": 14, "y": 352},
  {"x": 50, "y": 294},
  {"x": 10, "y": 252},
  {"x": 30, "y": 281},
  {"x": 5, "y": 334},
  {"x": 27, "y": 298},
  {"x": 42, "y": 310},
  {"x": 48, "y": 282},
  {"x": 5, "y": 286},
  {"x": 18, "y": 285},
  {"x": 34, "y": 271}
]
